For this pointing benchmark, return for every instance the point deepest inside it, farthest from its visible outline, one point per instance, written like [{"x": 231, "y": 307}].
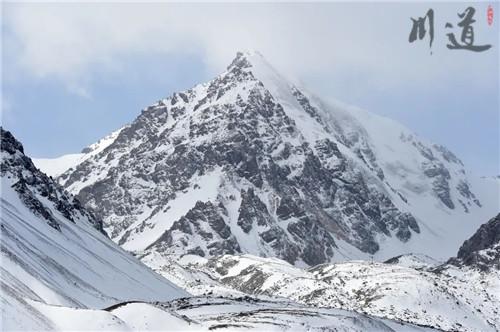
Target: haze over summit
[{"x": 87, "y": 64}]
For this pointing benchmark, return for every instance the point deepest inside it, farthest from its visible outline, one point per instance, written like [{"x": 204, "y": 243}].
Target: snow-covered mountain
[
  {"x": 57, "y": 166},
  {"x": 249, "y": 163},
  {"x": 54, "y": 253},
  {"x": 247, "y": 191},
  {"x": 462, "y": 295},
  {"x": 59, "y": 272}
]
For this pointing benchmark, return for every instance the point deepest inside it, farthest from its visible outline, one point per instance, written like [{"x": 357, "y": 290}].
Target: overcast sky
[{"x": 72, "y": 73}]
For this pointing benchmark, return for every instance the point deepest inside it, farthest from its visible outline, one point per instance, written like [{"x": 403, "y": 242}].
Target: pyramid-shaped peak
[
  {"x": 262, "y": 70},
  {"x": 247, "y": 59}
]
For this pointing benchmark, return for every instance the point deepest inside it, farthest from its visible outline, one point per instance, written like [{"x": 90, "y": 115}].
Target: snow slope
[
  {"x": 449, "y": 298},
  {"x": 461, "y": 295},
  {"x": 54, "y": 252},
  {"x": 57, "y": 166},
  {"x": 206, "y": 314}
]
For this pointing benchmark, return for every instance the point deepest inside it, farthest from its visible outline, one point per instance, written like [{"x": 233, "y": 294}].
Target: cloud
[
  {"x": 65, "y": 40},
  {"x": 356, "y": 52},
  {"x": 80, "y": 91}
]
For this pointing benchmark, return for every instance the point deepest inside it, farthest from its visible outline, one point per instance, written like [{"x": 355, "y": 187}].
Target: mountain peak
[
  {"x": 246, "y": 59},
  {"x": 254, "y": 62},
  {"x": 249, "y": 163}
]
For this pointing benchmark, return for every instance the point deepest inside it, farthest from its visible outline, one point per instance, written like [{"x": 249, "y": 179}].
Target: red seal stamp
[{"x": 489, "y": 15}]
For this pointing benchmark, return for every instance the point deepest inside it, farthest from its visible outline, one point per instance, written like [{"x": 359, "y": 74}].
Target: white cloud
[
  {"x": 80, "y": 91},
  {"x": 325, "y": 40},
  {"x": 357, "y": 52}
]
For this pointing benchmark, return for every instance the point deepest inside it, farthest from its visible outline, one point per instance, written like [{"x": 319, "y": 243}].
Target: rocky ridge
[{"x": 249, "y": 163}]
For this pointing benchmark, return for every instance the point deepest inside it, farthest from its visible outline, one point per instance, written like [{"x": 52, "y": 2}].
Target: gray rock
[
  {"x": 481, "y": 250},
  {"x": 297, "y": 194},
  {"x": 30, "y": 183}
]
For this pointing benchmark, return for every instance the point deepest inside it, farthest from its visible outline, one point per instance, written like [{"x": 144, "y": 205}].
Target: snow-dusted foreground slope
[
  {"x": 54, "y": 252},
  {"x": 206, "y": 314},
  {"x": 462, "y": 295},
  {"x": 453, "y": 299}
]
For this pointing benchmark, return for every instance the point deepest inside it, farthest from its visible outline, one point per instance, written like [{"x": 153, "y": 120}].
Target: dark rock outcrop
[
  {"x": 34, "y": 187},
  {"x": 481, "y": 250}
]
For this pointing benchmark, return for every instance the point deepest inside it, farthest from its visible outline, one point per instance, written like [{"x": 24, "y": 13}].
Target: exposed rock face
[
  {"x": 203, "y": 225},
  {"x": 482, "y": 250},
  {"x": 250, "y": 163},
  {"x": 440, "y": 176},
  {"x": 34, "y": 187},
  {"x": 252, "y": 211}
]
